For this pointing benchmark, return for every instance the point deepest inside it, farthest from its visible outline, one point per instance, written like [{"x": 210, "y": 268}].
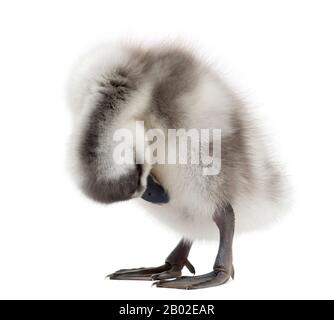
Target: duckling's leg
[
  {"x": 223, "y": 267},
  {"x": 171, "y": 269}
]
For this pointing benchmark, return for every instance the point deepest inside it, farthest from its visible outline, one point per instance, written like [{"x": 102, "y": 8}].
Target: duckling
[{"x": 169, "y": 87}]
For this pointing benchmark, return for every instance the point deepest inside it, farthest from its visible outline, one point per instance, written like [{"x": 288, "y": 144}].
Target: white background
[{"x": 54, "y": 243}]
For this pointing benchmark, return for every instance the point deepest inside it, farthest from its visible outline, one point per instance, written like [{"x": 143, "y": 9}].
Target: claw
[
  {"x": 232, "y": 273},
  {"x": 190, "y": 267}
]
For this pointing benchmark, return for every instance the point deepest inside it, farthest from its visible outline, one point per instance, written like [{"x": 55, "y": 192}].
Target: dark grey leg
[
  {"x": 171, "y": 269},
  {"x": 223, "y": 267}
]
